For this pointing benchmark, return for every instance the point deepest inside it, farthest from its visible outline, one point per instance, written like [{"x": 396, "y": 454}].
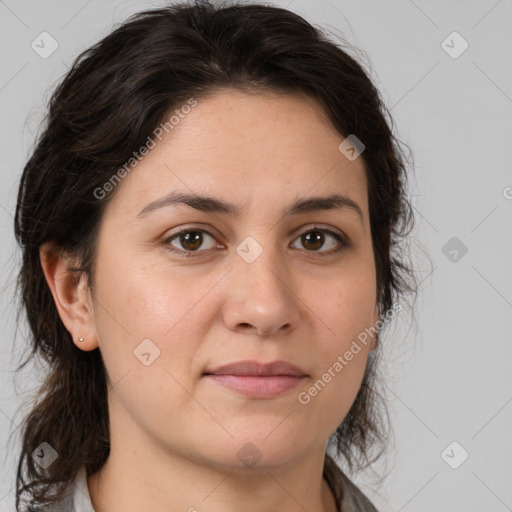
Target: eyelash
[{"x": 191, "y": 254}]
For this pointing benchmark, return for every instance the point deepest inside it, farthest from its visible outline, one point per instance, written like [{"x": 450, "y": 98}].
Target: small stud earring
[{"x": 80, "y": 339}]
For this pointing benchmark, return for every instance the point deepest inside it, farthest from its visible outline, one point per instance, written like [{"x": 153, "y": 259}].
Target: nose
[{"x": 260, "y": 297}]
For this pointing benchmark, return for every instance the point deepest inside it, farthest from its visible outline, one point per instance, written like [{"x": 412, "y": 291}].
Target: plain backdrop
[{"x": 447, "y": 368}]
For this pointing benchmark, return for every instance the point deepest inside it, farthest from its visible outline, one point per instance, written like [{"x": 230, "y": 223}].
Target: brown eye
[
  {"x": 315, "y": 239},
  {"x": 190, "y": 240}
]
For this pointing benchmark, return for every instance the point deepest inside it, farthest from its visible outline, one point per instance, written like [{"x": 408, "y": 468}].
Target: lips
[
  {"x": 256, "y": 369},
  {"x": 257, "y": 380}
]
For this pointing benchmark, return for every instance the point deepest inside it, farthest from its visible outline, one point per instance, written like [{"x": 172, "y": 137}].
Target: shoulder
[{"x": 349, "y": 497}]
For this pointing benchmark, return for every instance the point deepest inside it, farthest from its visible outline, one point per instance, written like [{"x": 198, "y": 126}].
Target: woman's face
[{"x": 251, "y": 282}]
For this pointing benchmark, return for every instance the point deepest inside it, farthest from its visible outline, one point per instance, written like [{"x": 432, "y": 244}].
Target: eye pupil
[
  {"x": 195, "y": 238},
  {"x": 316, "y": 238}
]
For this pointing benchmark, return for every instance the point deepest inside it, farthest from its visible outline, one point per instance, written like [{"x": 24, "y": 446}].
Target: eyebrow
[{"x": 213, "y": 205}]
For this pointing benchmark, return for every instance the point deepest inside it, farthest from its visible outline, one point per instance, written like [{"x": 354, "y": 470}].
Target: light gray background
[{"x": 449, "y": 375}]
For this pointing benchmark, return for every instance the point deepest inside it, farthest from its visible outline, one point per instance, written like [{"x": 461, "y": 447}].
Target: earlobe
[{"x": 70, "y": 294}]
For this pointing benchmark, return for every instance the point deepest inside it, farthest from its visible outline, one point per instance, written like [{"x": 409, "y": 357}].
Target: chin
[{"x": 254, "y": 449}]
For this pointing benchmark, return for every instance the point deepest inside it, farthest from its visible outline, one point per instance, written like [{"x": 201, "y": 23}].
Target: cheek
[
  {"x": 138, "y": 301},
  {"x": 149, "y": 331},
  {"x": 333, "y": 388},
  {"x": 346, "y": 312},
  {"x": 346, "y": 308}
]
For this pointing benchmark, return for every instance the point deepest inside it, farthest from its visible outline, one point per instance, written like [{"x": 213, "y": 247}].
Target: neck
[{"x": 143, "y": 477}]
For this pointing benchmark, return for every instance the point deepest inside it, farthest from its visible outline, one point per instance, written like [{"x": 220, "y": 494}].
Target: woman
[{"x": 208, "y": 225}]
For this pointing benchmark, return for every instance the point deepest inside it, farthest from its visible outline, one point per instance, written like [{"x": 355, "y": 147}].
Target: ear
[
  {"x": 71, "y": 295},
  {"x": 376, "y": 321}
]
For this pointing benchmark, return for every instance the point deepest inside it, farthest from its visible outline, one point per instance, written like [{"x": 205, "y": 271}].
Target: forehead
[{"x": 255, "y": 148}]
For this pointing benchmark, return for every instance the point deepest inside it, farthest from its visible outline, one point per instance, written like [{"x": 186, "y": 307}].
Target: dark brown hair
[{"x": 114, "y": 96}]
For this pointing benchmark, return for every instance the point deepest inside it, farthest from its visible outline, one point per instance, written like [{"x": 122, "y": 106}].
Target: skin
[{"x": 175, "y": 434}]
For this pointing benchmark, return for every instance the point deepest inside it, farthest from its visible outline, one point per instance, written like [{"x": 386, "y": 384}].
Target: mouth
[{"x": 257, "y": 380}]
